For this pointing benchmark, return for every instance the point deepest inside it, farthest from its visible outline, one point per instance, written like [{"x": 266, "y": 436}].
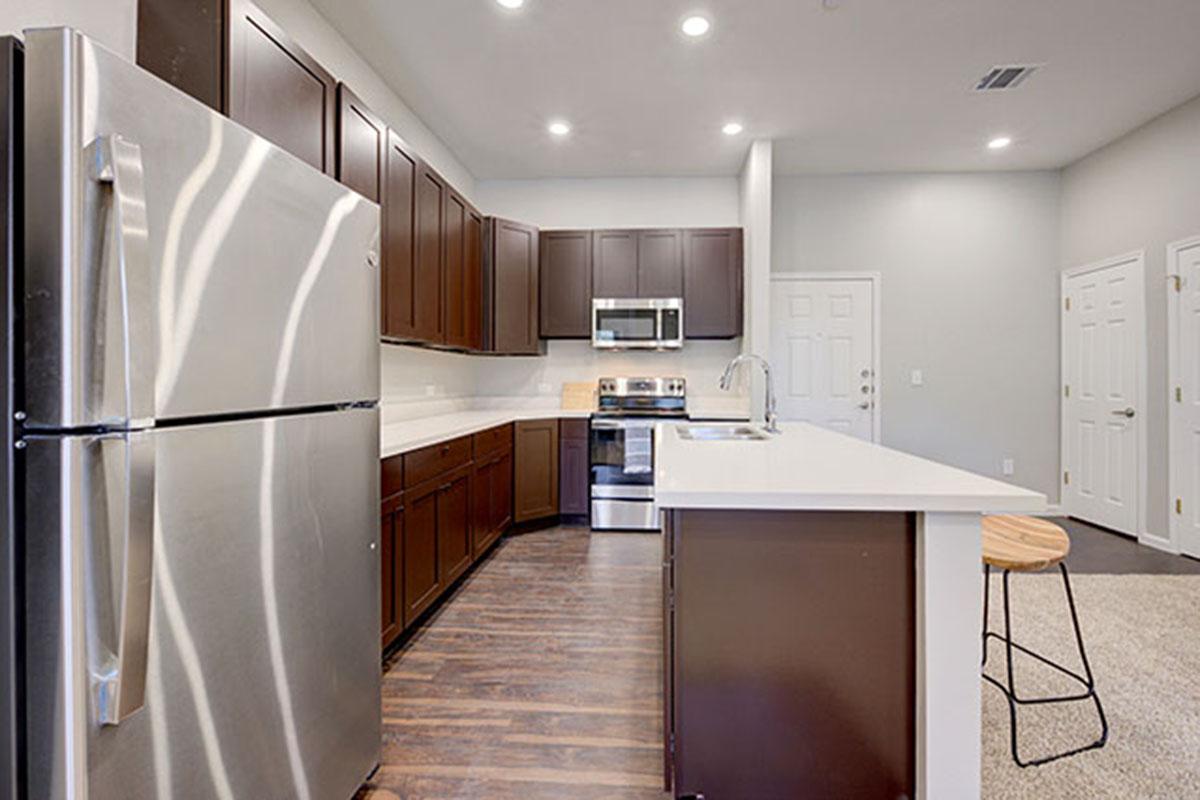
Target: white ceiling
[{"x": 872, "y": 85}]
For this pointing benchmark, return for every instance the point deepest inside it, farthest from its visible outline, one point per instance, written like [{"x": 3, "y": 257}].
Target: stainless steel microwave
[{"x": 637, "y": 323}]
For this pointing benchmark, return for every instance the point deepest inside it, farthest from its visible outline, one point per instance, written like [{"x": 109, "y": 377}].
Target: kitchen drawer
[
  {"x": 573, "y": 429},
  {"x": 430, "y": 462},
  {"x": 493, "y": 440},
  {"x": 391, "y": 479}
]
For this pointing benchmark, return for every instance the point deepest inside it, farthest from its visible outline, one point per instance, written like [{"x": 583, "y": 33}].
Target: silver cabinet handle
[
  {"x": 1128, "y": 413},
  {"x": 120, "y": 560},
  {"x": 128, "y": 346}
]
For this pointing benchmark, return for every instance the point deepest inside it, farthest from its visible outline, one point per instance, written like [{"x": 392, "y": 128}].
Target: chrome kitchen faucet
[{"x": 769, "y": 411}]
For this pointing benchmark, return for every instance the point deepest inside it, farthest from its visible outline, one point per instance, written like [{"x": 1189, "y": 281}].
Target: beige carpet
[{"x": 1143, "y": 639}]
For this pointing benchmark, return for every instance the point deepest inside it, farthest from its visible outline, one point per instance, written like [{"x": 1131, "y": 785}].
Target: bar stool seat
[
  {"x": 1027, "y": 544},
  {"x": 1023, "y": 544}
]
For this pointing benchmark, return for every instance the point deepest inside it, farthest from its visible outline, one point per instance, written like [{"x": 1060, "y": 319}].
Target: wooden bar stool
[{"x": 1027, "y": 544}]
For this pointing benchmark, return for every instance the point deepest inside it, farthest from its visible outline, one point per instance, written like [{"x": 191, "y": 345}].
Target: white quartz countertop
[
  {"x": 400, "y": 437},
  {"x": 806, "y": 467}
]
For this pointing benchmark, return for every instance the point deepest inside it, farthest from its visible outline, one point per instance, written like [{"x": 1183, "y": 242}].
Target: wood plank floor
[{"x": 539, "y": 678}]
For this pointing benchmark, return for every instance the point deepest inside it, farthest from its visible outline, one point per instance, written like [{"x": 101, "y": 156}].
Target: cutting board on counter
[{"x": 579, "y": 396}]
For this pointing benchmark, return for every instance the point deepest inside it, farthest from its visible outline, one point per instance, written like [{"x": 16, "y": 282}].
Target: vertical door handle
[
  {"x": 128, "y": 347},
  {"x": 120, "y": 560}
]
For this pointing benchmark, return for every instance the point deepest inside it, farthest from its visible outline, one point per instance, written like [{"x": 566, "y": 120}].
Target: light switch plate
[
  {"x": 918, "y": 379},
  {"x": 1009, "y": 467}
]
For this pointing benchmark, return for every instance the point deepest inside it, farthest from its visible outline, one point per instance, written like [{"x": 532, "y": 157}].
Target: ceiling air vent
[{"x": 1005, "y": 77}]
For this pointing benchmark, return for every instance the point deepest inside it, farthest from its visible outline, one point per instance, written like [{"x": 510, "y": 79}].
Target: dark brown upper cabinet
[
  {"x": 510, "y": 288},
  {"x": 454, "y": 269},
  {"x": 398, "y": 277},
  {"x": 430, "y": 199},
  {"x": 712, "y": 283},
  {"x": 566, "y": 284},
  {"x": 660, "y": 263},
  {"x": 362, "y": 142},
  {"x": 231, "y": 56},
  {"x": 615, "y": 264},
  {"x": 473, "y": 281},
  {"x": 277, "y": 90}
]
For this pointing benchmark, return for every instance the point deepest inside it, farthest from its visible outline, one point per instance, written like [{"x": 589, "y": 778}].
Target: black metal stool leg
[
  {"x": 987, "y": 584},
  {"x": 1010, "y": 691}
]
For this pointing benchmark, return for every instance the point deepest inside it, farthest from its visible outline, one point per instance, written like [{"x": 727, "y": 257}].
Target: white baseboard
[{"x": 1162, "y": 543}]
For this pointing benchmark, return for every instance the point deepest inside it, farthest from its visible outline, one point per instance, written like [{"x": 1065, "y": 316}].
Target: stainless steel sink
[{"x": 722, "y": 433}]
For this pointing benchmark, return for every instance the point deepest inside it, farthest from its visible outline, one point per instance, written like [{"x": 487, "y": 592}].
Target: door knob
[{"x": 1128, "y": 413}]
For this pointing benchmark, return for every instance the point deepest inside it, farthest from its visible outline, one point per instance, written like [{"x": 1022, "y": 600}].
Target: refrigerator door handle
[
  {"x": 120, "y": 571},
  {"x": 128, "y": 348}
]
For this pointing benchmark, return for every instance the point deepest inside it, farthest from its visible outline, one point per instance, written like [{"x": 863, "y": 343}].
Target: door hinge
[
  {"x": 1178, "y": 394},
  {"x": 1178, "y": 279},
  {"x": 1066, "y": 477},
  {"x": 1179, "y": 506},
  {"x": 1067, "y": 303},
  {"x": 1067, "y": 390}
]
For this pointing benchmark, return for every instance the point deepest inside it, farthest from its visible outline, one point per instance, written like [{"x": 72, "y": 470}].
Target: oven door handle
[{"x": 622, "y": 424}]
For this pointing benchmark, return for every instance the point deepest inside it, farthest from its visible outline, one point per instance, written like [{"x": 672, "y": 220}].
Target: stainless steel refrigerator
[{"x": 195, "y": 474}]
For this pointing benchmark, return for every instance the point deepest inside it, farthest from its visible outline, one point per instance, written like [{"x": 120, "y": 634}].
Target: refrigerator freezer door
[
  {"x": 262, "y": 675},
  {"x": 178, "y": 265}
]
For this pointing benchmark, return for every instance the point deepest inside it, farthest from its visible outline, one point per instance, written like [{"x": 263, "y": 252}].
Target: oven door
[{"x": 622, "y": 458}]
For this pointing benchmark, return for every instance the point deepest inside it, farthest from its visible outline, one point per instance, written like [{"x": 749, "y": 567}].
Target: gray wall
[
  {"x": 969, "y": 266},
  {"x": 1140, "y": 193}
]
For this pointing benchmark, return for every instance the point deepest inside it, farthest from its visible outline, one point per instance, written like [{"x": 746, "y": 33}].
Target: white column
[
  {"x": 949, "y": 620},
  {"x": 756, "y": 212}
]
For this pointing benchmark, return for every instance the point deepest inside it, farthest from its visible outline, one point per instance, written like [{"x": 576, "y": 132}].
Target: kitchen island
[{"x": 822, "y": 609}]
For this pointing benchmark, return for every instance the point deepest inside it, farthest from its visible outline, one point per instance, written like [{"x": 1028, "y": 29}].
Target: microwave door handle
[
  {"x": 121, "y": 564},
  {"x": 127, "y": 353}
]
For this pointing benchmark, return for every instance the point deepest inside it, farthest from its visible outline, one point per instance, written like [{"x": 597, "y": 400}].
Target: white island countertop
[{"x": 810, "y": 468}]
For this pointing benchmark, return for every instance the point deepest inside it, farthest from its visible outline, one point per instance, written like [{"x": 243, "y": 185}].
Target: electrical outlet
[
  {"x": 545, "y": 388},
  {"x": 1009, "y": 468},
  {"x": 918, "y": 379}
]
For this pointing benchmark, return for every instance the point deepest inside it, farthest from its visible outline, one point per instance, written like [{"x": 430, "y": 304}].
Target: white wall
[
  {"x": 609, "y": 203},
  {"x": 969, "y": 267},
  {"x": 113, "y": 23},
  {"x": 1140, "y": 193},
  {"x": 613, "y": 202}
]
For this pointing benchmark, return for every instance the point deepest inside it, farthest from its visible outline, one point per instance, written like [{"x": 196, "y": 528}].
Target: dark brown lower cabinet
[
  {"x": 535, "y": 469},
  {"x": 454, "y": 525},
  {"x": 573, "y": 467},
  {"x": 491, "y": 498},
  {"x": 422, "y": 580},
  {"x": 391, "y": 569},
  {"x": 790, "y": 665}
]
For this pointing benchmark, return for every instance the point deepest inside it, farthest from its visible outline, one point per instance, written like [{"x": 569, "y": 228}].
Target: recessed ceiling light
[
  {"x": 511, "y": 3},
  {"x": 732, "y": 128},
  {"x": 559, "y": 128},
  {"x": 696, "y": 26},
  {"x": 999, "y": 143}
]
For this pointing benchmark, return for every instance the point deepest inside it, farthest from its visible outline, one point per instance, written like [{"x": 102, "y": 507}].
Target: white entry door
[
  {"x": 1103, "y": 310},
  {"x": 1184, "y": 261},
  {"x": 823, "y": 347}
]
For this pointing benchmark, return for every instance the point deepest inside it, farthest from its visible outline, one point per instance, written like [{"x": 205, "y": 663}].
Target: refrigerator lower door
[
  {"x": 261, "y": 677},
  {"x": 180, "y": 266}
]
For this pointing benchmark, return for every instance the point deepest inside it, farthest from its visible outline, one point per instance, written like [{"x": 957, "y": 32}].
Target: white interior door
[
  {"x": 1184, "y": 261},
  {"x": 1102, "y": 321},
  {"x": 823, "y": 347}
]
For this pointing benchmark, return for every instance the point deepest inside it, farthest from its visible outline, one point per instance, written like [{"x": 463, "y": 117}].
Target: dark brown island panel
[{"x": 789, "y": 654}]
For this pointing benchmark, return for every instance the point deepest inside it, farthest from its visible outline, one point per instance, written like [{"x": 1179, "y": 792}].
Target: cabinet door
[
  {"x": 398, "y": 297},
  {"x": 514, "y": 287},
  {"x": 454, "y": 269},
  {"x": 361, "y": 146},
  {"x": 614, "y": 264},
  {"x": 566, "y": 284},
  {"x": 427, "y": 281},
  {"x": 712, "y": 283},
  {"x": 660, "y": 263},
  {"x": 277, "y": 90},
  {"x": 481, "y": 504},
  {"x": 535, "y": 470},
  {"x": 391, "y": 570},
  {"x": 422, "y": 582},
  {"x": 473, "y": 280},
  {"x": 573, "y": 475},
  {"x": 182, "y": 42},
  {"x": 502, "y": 494},
  {"x": 454, "y": 527}
]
